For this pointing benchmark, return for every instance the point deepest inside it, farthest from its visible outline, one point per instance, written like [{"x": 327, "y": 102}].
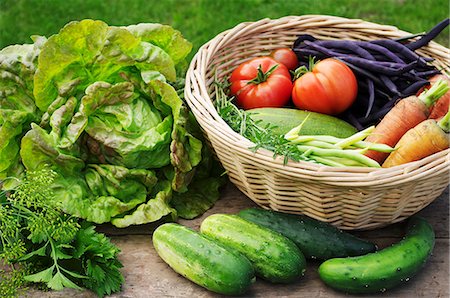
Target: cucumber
[
  {"x": 284, "y": 119},
  {"x": 200, "y": 259},
  {"x": 316, "y": 239},
  {"x": 384, "y": 269},
  {"x": 274, "y": 257}
]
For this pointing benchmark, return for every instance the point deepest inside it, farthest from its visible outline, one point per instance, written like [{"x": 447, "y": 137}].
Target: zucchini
[
  {"x": 384, "y": 269},
  {"x": 316, "y": 239},
  {"x": 285, "y": 119},
  {"x": 205, "y": 262},
  {"x": 274, "y": 257}
]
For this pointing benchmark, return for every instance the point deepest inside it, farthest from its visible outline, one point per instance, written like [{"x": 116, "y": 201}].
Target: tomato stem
[
  {"x": 303, "y": 69},
  {"x": 262, "y": 76}
]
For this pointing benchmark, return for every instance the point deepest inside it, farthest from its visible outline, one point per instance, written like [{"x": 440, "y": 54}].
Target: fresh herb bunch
[
  {"x": 262, "y": 137},
  {"x": 42, "y": 244}
]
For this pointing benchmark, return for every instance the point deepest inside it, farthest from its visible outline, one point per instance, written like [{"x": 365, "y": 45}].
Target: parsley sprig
[{"x": 42, "y": 244}]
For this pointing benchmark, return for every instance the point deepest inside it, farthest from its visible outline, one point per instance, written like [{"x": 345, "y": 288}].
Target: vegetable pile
[
  {"x": 231, "y": 250},
  {"x": 386, "y": 69},
  {"x": 360, "y": 82},
  {"x": 100, "y": 105}
]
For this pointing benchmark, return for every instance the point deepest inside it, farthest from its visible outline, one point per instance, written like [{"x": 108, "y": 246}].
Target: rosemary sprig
[{"x": 261, "y": 136}]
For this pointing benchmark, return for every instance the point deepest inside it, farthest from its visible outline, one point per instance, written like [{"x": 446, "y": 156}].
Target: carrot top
[
  {"x": 430, "y": 96},
  {"x": 444, "y": 123}
]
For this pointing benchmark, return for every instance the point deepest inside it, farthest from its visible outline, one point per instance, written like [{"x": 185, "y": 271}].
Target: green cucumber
[
  {"x": 316, "y": 239},
  {"x": 384, "y": 269},
  {"x": 202, "y": 260},
  {"x": 285, "y": 119},
  {"x": 274, "y": 257}
]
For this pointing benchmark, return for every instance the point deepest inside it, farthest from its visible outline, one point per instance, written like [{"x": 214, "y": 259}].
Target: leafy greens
[
  {"x": 99, "y": 105},
  {"x": 50, "y": 246}
]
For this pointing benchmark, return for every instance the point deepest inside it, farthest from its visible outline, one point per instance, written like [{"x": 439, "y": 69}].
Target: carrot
[
  {"x": 439, "y": 109},
  {"x": 426, "y": 138},
  {"x": 406, "y": 114}
]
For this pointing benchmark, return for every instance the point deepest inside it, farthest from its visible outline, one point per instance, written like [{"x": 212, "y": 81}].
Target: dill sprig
[{"x": 42, "y": 244}]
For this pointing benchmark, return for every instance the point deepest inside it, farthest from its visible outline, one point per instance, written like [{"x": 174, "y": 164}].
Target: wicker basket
[{"x": 349, "y": 198}]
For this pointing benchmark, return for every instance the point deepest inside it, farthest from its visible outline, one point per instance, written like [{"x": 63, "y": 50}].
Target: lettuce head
[{"x": 100, "y": 106}]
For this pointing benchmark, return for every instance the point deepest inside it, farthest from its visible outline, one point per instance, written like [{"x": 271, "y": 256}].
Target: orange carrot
[
  {"x": 426, "y": 138},
  {"x": 439, "y": 109},
  {"x": 406, "y": 114}
]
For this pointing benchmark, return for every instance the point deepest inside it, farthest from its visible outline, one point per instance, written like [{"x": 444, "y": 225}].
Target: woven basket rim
[{"x": 361, "y": 176}]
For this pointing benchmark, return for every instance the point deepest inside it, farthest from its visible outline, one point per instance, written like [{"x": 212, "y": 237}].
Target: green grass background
[{"x": 201, "y": 20}]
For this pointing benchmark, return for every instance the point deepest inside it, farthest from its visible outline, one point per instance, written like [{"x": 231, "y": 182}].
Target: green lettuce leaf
[
  {"x": 185, "y": 149},
  {"x": 165, "y": 37},
  {"x": 40, "y": 149},
  {"x": 62, "y": 63},
  {"x": 87, "y": 51},
  {"x": 154, "y": 209},
  {"x": 201, "y": 195},
  {"x": 204, "y": 190},
  {"x": 123, "y": 127},
  {"x": 124, "y": 49},
  {"x": 17, "y": 108},
  {"x": 11, "y": 122},
  {"x": 73, "y": 193},
  {"x": 104, "y": 191},
  {"x": 94, "y": 192},
  {"x": 17, "y": 68}
]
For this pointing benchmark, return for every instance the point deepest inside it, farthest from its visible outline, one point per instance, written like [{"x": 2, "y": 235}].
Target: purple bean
[
  {"x": 425, "y": 39},
  {"x": 371, "y": 89},
  {"x": 389, "y": 84},
  {"x": 413, "y": 88},
  {"x": 326, "y": 51},
  {"x": 380, "y": 49},
  {"x": 428, "y": 73},
  {"x": 411, "y": 77},
  {"x": 428, "y": 59},
  {"x": 347, "y": 45},
  {"x": 380, "y": 94},
  {"x": 407, "y": 37},
  {"x": 374, "y": 117},
  {"x": 301, "y": 38},
  {"x": 306, "y": 53},
  {"x": 401, "y": 49},
  {"x": 353, "y": 120},
  {"x": 365, "y": 73},
  {"x": 376, "y": 66}
]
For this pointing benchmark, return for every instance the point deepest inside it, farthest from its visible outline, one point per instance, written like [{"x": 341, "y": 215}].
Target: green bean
[
  {"x": 347, "y": 162},
  {"x": 334, "y": 141},
  {"x": 293, "y": 133},
  {"x": 296, "y": 139},
  {"x": 321, "y": 144},
  {"x": 373, "y": 146},
  {"x": 307, "y": 153},
  {"x": 348, "y": 154},
  {"x": 327, "y": 161},
  {"x": 359, "y": 136}
]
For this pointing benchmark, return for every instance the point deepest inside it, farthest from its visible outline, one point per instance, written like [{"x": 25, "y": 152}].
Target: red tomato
[
  {"x": 286, "y": 57},
  {"x": 261, "y": 82},
  {"x": 330, "y": 88}
]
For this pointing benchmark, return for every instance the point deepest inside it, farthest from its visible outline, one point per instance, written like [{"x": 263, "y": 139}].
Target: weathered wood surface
[{"x": 146, "y": 275}]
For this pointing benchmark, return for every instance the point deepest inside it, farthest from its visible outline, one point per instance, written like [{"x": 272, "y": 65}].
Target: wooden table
[{"x": 146, "y": 275}]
